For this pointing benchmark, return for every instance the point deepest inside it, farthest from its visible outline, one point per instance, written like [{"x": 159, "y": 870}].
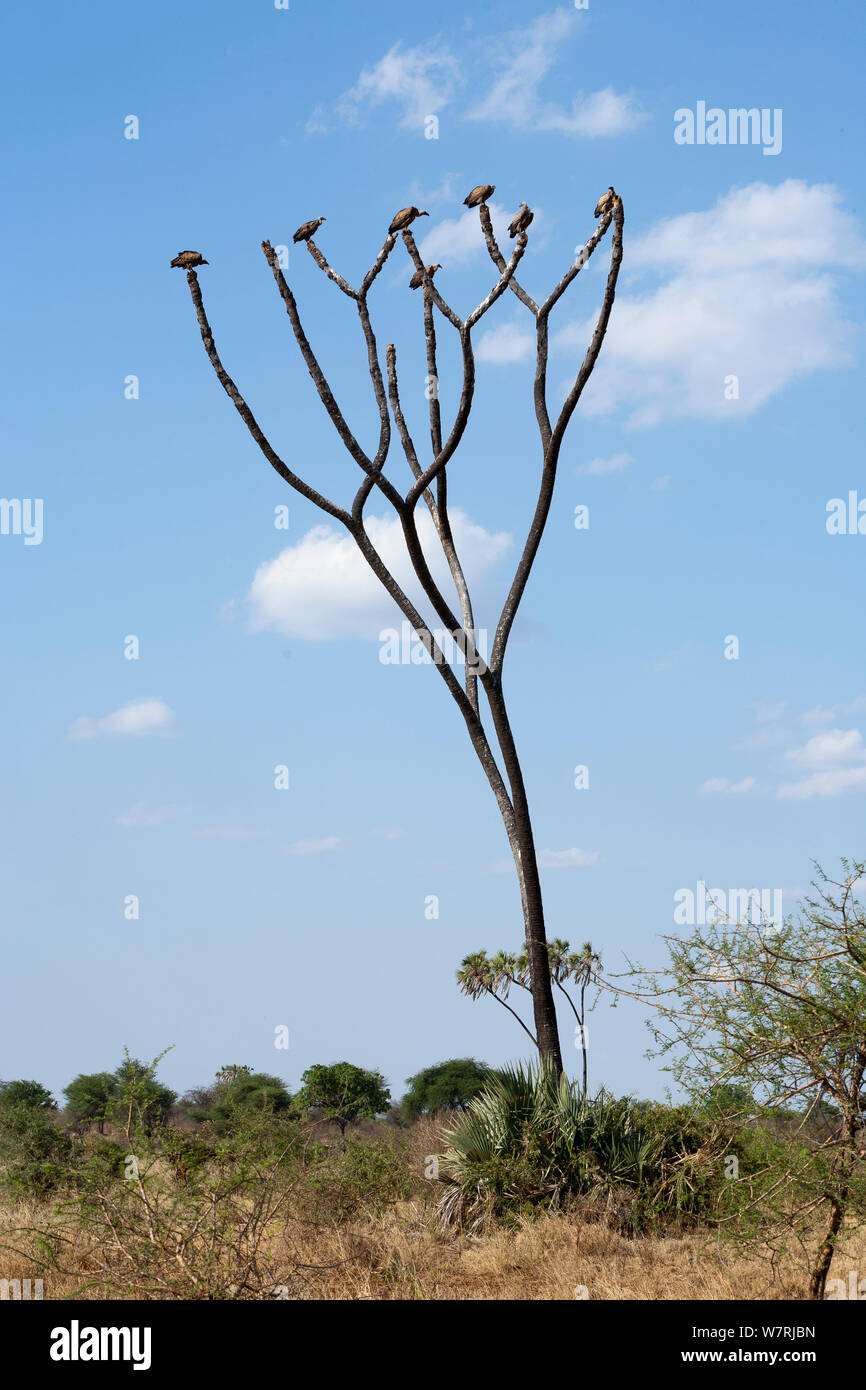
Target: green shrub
[
  {"x": 29, "y": 1093},
  {"x": 237, "y": 1093},
  {"x": 35, "y": 1155},
  {"x": 532, "y": 1140},
  {"x": 358, "y": 1175}
]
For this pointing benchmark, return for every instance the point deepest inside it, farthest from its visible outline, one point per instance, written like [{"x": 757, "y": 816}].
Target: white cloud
[
  {"x": 231, "y": 834},
  {"x": 768, "y": 711},
  {"x": 456, "y": 240},
  {"x": 138, "y": 717},
  {"x": 721, "y": 786},
  {"x": 599, "y": 467},
  {"x": 749, "y": 288},
  {"x": 836, "y": 761},
  {"x": 305, "y": 847},
  {"x": 825, "y": 714},
  {"x": 567, "y": 858},
  {"x": 138, "y": 817},
  {"x": 514, "y": 98},
  {"x": 507, "y": 343},
  {"x": 322, "y": 588},
  {"x": 833, "y": 783},
  {"x": 837, "y": 747},
  {"x": 421, "y": 80},
  {"x": 550, "y": 859}
]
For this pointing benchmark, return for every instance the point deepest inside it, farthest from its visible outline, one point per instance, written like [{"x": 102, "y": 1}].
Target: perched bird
[
  {"x": 520, "y": 221},
  {"x": 404, "y": 217},
  {"x": 605, "y": 202},
  {"x": 418, "y": 279},
  {"x": 308, "y": 229},
  {"x": 480, "y": 194},
  {"x": 185, "y": 260}
]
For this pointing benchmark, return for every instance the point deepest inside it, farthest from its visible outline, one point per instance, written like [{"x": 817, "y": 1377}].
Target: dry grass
[{"x": 401, "y": 1255}]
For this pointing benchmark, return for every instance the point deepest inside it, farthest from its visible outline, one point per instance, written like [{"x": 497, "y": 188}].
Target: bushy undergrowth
[
  {"x": 531, "y": 1140},
  {"x": 35, "y": 1153},
  {"x": 163, "y": 1211}
]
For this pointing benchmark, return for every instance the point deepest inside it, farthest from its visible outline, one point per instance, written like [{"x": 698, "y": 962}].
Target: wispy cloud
[
  {"x": 420, "y": 81},
  {"x": 230, "y": 834},
  {"x": 457, "y": 240},
  {"x": 720, "y": 786},
  {"x": 567, "y": 858},
  {"x": 550, "y": 859},
  {"x": 529, "y": 56},
  {"x": 302, "y": 848},
  {"x": 826, "y": 714},
  {"x": 600, "y": 467},
  {"x": 507, "y": 343},
  {"x": 139, "y": 817},
  {"x": 138, "y": 718}
]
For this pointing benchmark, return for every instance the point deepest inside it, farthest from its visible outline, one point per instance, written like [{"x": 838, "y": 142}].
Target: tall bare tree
[{"x": 509, "y": 788}]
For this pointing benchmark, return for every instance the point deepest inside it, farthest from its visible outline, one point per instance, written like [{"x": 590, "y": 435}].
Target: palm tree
[{"x": 479, "y": 975}]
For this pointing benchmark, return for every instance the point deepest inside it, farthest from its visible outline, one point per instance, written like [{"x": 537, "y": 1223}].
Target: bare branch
[
  {"x": 332, "y": 274},
  {"x": 553, "y": 444},
  {"x": 499, "y": 260},
  {"x": 247, "y": 416}
]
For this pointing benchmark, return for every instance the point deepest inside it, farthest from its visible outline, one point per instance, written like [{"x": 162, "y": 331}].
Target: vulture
[
  {"x": 185, "y": 260},
  {"x": 404, "y": 217},
  {"x": 418, "y": 279},
  {"x": 521, "y": 220},
  {"x": 605, "y": 202},
  {"x": 480, "y": 194},
  {"x": 308, "y": 229}
]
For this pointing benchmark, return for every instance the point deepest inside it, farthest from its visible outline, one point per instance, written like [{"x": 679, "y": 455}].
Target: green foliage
[
  {"x": 532, "y": 1139},
  {"x": 446, "y": 1086},
  {"x": 360, "y": 1175},
  {"x": 236, "y": 1092},
  {"x": 27, "y": 1093},
  {"x": 766, "y": 1018},
  {"x": 100, "y": 1163},
  {"x": 726, "y": 1098},
  {"x": 343, "y": 1093},
  {"x": 34, "y": 1153},
  {"x": 139, "y": 1102},
  {"x": 89, "y": 1097}
]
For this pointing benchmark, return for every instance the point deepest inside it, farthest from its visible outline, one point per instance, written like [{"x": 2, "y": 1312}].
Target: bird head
[
  {"x": 435, "y": 267},
  {"x": 423, "y": 214},
  {"x": 204, "y": 262}
]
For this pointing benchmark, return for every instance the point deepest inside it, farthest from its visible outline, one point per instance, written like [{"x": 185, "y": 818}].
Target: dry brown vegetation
[{"x": 301, "y": 1251}]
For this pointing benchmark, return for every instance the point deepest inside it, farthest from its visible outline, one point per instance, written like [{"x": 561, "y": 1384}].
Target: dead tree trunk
[{"x": 509, "y": 789}]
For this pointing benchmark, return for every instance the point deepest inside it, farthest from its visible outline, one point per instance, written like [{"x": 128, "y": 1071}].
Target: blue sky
[{"x": 155, "y": 777}]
